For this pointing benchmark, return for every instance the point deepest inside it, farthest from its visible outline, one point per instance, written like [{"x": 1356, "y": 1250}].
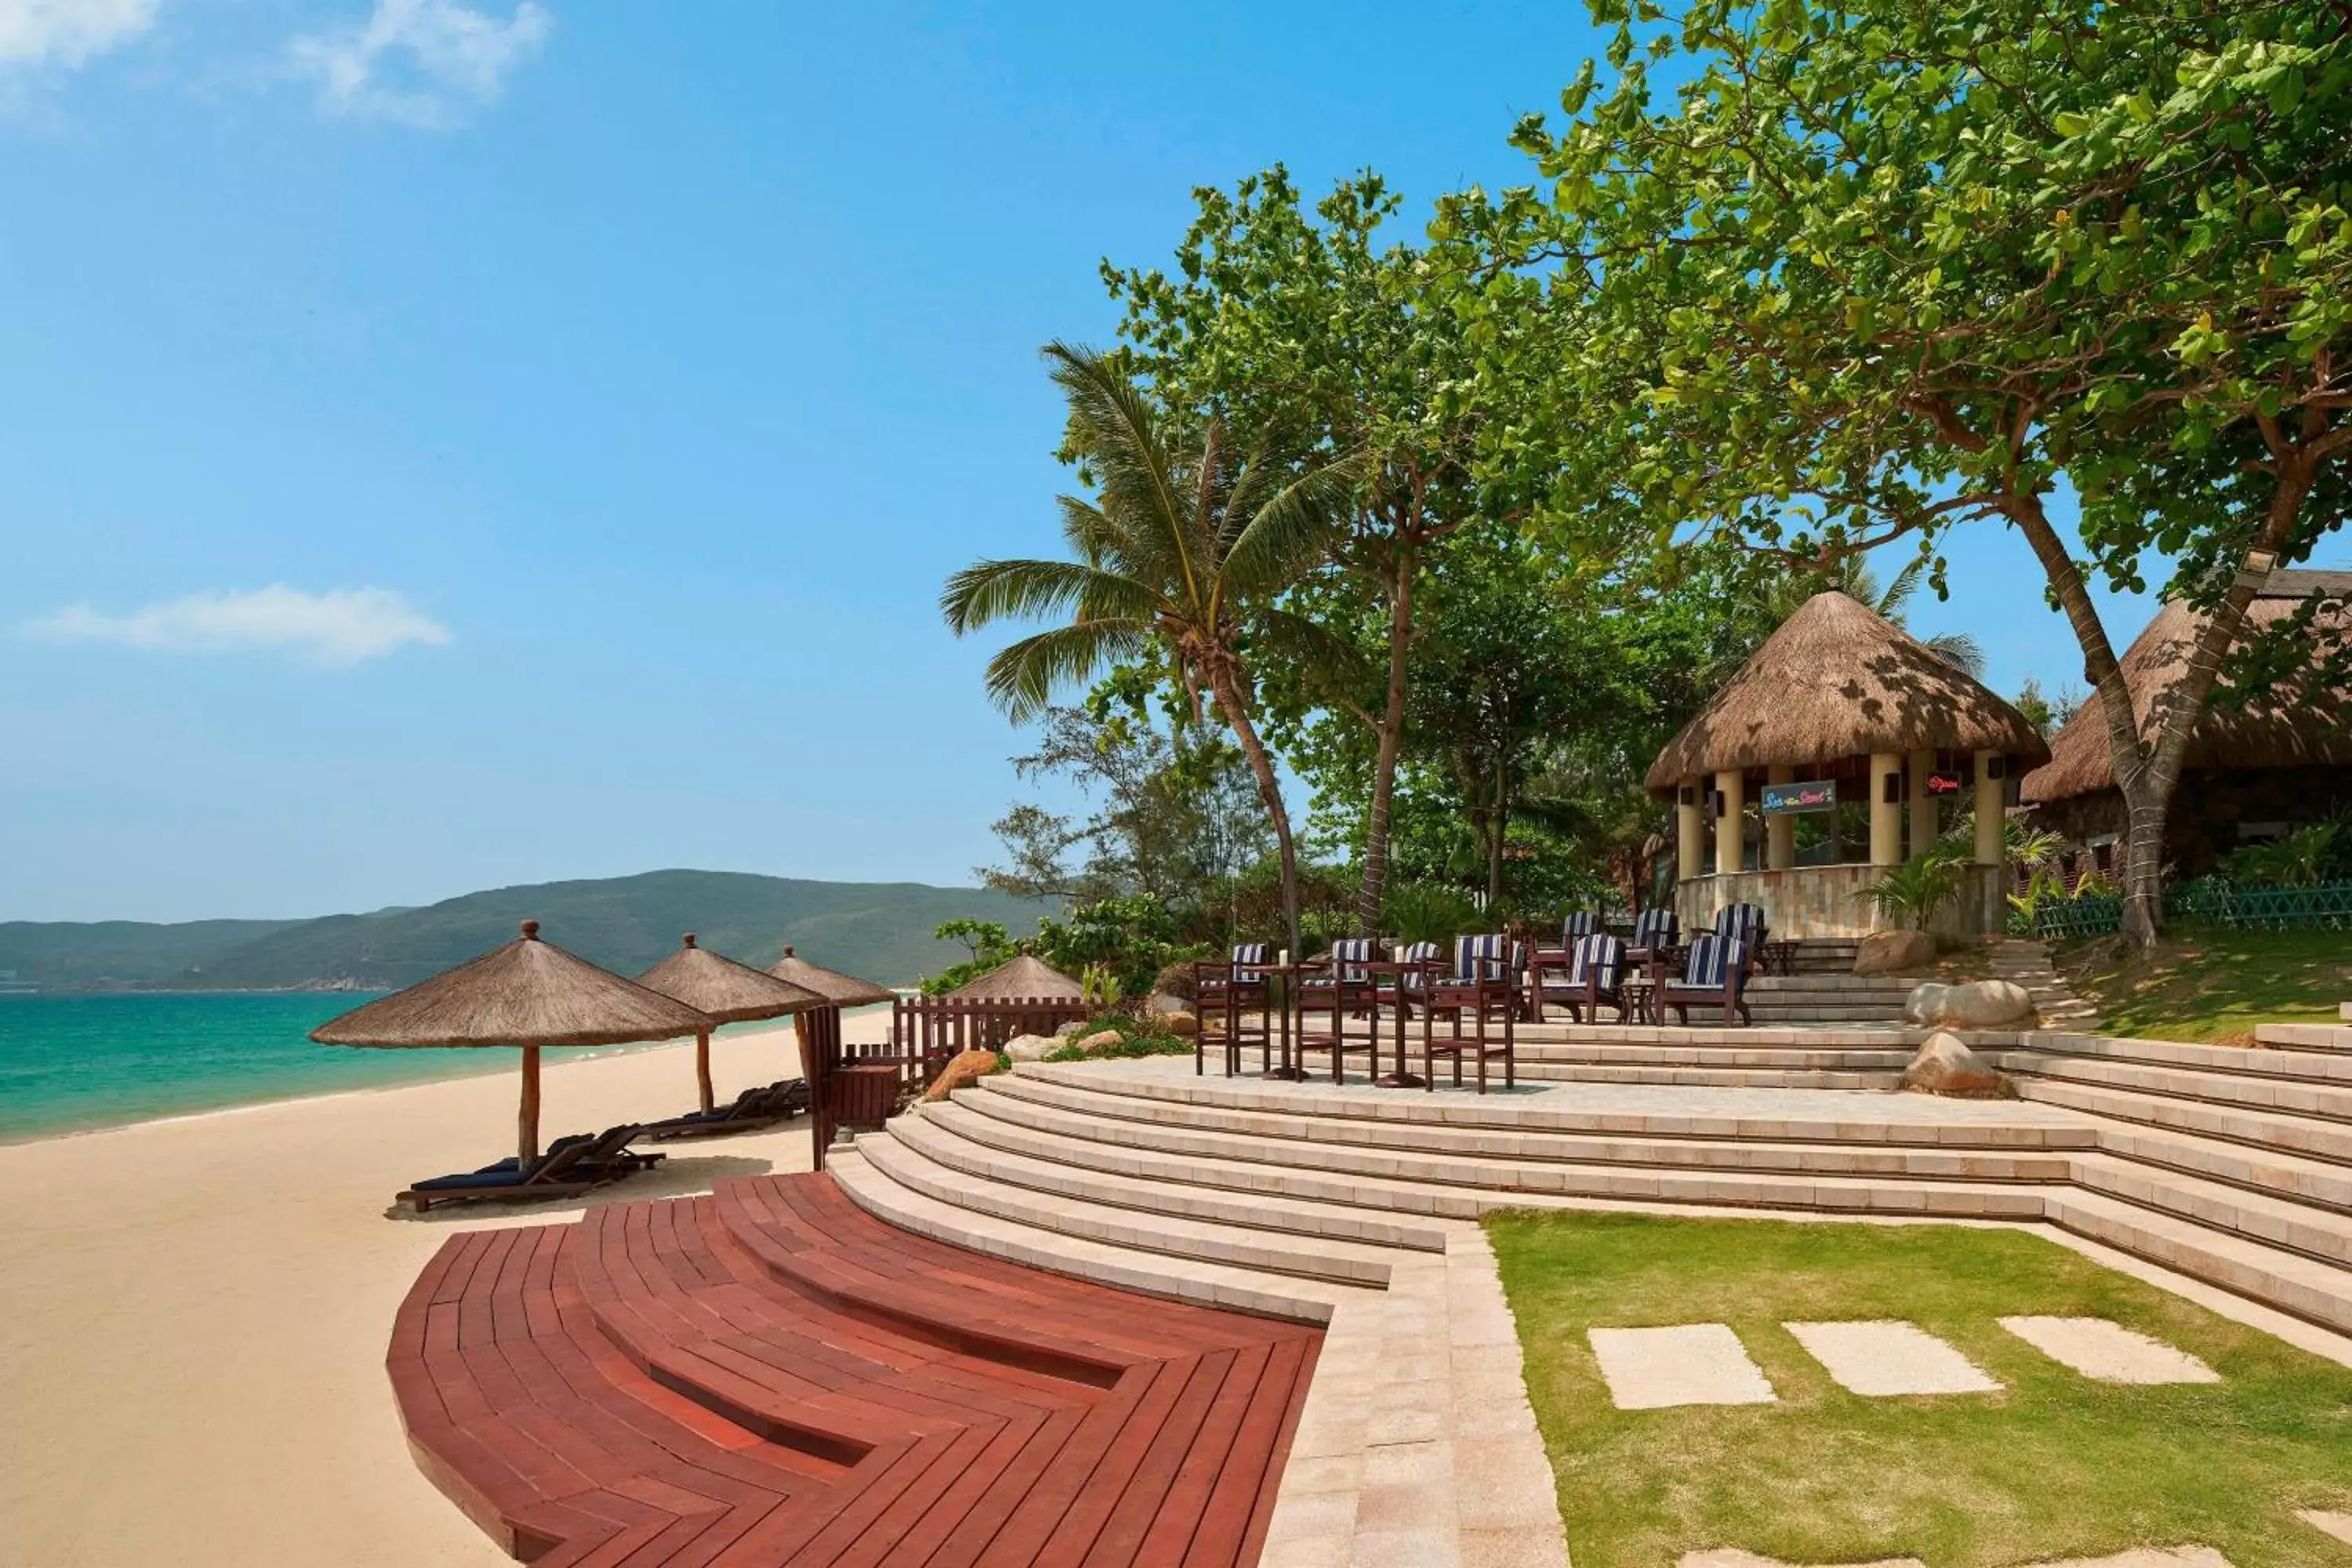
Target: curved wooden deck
[{"x": 769, "y": 1376}]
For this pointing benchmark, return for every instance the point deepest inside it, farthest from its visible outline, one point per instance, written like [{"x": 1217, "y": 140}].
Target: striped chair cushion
[
  {"x": 1583, "y": 922},
  {"x": 1598, "y": 957},
  {"x": 1656, "y": 928},
  {"x": 1712, "y": 959},
  {"x": 1744, "y": 922},
  {"x": 1416, "y": 953},
  {"x": 1349, "y": 953},
  {"x": 1476, "y": 956},
  {"x": 1248, "y": 954}
]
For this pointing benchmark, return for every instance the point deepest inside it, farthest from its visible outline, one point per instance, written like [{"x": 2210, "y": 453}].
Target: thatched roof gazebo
[
  {"x": 724, "y": 992},
  {"x": 1023, "y": 978},
  {"x": 525, "y": 995},
  {"x": 2282, "y": 760},
  {"x": 840, "y": 990},
  {"x": 1838, "y": 706}
]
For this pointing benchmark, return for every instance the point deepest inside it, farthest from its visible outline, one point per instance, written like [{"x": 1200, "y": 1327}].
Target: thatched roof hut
[
  {"x": 838, "y": 989},
  {"x": 1838, "y": 680},
  {"x": 724, "y": 991},
  {"x": 1025, "y": 979},
  {"x": 526, "y": 995},
  {"x": 2297, "y": 733}
]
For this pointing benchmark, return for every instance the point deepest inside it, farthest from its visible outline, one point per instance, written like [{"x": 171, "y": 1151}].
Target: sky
[{"x": 445, "y": 445}]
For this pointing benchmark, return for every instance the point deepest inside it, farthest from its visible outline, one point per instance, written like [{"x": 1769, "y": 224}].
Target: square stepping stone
[
  {"x": 2338, "y": 1525},
  {"x": 1890, "y": 1357},
  {"x": 2109, "y": 1352},
  {"x": 1691, "y": 1363}
]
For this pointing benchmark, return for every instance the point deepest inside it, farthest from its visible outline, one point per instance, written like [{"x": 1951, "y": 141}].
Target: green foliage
[
  {"x": 1139, "y": 1035},
  {"x": 1430, "y": 911},
  {"x": 986, "y": 944},
  {"x": 1122, "y": 943},
  {"x": 1921, "y": 888},
  {"x": 2320, "y": 852}
]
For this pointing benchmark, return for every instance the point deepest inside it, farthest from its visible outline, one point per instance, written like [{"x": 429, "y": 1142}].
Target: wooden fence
[{"x": 929, "y": 1031}]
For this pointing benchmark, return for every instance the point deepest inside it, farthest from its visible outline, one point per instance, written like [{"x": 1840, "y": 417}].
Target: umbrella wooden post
[
  {"x": 702, "y": 1069},
  {"x": 526, "y": 1122}
]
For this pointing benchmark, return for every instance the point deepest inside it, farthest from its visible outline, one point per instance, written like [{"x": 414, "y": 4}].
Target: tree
[
  {"x": 1320, "y": 328},
  {"x": 1895, "y": 268},
  {"x": 1182, "y": 537}
]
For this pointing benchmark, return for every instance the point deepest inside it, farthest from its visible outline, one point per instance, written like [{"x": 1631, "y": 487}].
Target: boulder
[
  {"x": 1072, "y": 1030},
  {"x": 1098, "y": 1039},
  {"x": 968, "y": 1068},
  {"x": 1032, "y": 1047},
  {"x": 1894, "y": 952},
  {"x": 1944, "y": 1064},
  {"x": 1980, "y": 1005},
  {"x": 1180, "y": 1023}
]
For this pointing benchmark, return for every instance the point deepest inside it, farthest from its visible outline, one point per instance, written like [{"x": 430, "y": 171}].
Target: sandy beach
[{"x": 194, "y": 1312}]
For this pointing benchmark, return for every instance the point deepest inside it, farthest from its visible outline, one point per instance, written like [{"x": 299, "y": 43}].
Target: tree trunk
[
  {"x": 2143, "y": 868},
  {"x": 1269, "y": 790},
  {"x": 1374, "y": 894},
  {"x": 1501, "y": 823}
]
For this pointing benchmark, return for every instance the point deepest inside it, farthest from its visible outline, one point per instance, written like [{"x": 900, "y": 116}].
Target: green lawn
[
  {"x": 2213, "y": 984},
  {"x": 2056, "y": 1466}
]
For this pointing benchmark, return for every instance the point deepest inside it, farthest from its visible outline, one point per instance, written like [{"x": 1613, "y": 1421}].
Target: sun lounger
[
  {"x": 751, "y": 1110},
  {"x": 573, "y": 1166}
]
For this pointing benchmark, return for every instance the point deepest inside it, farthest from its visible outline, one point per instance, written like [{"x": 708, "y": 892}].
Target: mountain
[{"x": 878, "y": 930}]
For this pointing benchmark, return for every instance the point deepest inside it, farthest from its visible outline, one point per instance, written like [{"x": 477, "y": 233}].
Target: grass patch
[
  {"x": 2209, "y": 984},
  {"x": 2056, "y": 1466}
]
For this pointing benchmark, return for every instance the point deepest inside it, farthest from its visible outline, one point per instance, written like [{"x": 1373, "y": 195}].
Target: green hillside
[{"x": 879, "y": 929}]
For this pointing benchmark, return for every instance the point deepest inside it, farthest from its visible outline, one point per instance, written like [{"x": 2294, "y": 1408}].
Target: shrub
[
  {"x": 1429, "y": 911},
  {"x": 1919, "y": 888}
]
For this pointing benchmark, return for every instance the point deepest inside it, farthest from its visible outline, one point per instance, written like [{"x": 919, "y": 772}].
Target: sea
[{"x": 73, "y": 1063}]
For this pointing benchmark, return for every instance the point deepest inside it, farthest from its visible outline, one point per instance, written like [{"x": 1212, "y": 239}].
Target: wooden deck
[{"x": 770, "y": 1375}]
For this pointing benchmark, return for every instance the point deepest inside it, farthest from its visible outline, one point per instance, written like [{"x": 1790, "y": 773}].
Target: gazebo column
[
  {"x": 1730, "y": 823},
  {"x": 1885, "y": 808},
  {"x": 1689, "y": 860},
  {"x": 1992, "y": 848},
  {"x": 1780, "y": 832},
  {"x": 1923, "y": 802}
]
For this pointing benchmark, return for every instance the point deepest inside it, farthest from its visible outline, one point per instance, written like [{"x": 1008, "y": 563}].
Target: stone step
[
  {"x": 2288, "y": 1281},
  {"x": 1379, "y": 1116},
  {"x": 2293, "y": 1096},
  {"x": 2305, "y": 1137},
  {"x": 1714, "y": 1077},
  {"x": 2315, "y": 1232},
  {"x": 1883, "y": 1036},
  {"x": 2305, "y": 1037},
  {"x": 1894, "y": 1058},
  {"x": 1154, "y": 1273},
  {"x": 954, "y": 1134},
  {"x": 2320, "y": 1067},
  {"x": 1423, "y": 1169},
  {"x": 2268, "y": 1171},
  {"x": 905, "y": 1162}
]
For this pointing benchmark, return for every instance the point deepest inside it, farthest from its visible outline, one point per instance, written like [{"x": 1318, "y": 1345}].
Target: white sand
[
  {"x": 194, "y": 1312},
  {"x": 1691, "y": 1363},
  {"x": 2109, "y": 1352},
  {"x": 1887, "y": 1358}
]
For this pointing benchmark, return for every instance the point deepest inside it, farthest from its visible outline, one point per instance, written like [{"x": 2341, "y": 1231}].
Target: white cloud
[
  {"x": 342, "y": 627},
  {"x": 68, "y": 32},
  {"x": 419, "y": 62}
]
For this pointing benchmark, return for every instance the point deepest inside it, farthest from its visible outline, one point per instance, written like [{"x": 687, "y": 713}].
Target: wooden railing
[{"x": 927, "y": 1032}]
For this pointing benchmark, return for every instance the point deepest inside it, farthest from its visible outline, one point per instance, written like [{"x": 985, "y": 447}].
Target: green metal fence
[{"x": 2325, "y": 906}]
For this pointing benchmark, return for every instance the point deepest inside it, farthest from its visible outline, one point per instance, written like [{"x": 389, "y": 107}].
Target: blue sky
[{"x": 638, "y": 374}]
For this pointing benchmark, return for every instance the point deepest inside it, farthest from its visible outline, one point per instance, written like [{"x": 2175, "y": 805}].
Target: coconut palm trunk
[{"x": 1226, "y": 689}]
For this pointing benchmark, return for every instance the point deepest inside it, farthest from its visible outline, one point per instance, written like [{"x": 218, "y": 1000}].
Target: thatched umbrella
[
  {"x": 1838, "y": 680},
  {"x": 839, "y": 990},
  {"x": 1023, "y": 978},
  {"x": 526, "y": 995},
  {"x": 724, "y": 992},
  {"x": 2307, "y": 729}
]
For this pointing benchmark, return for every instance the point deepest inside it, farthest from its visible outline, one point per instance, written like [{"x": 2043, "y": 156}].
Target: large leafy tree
[
  {"x": 1882, "y": 269},
  {"x": 1185, "y": 537},
  {"x": 1322, "y": 328}
]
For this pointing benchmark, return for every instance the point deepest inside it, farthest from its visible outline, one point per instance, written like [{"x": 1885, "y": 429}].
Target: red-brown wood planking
[{"x": 770, "y": 1375}]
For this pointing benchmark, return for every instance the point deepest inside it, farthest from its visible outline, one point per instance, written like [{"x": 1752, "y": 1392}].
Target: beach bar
[{"x": 1842, "y": 747}]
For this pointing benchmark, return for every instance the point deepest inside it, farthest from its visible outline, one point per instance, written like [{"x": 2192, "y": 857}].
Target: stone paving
[
  {"x": 2109, "y": 1352},
  {"x": 1883, "y": 1359},
  {"x": 1690, "y": 1363}
]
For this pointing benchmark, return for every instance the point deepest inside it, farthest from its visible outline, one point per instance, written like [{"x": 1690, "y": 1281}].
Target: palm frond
[
  {"x": 1114, "y": 425},
  {"x": 1897, "y": 595},
  {"x": 1021, "y": 679},
  {"x": 1276, "y": 543},
  {"x": 1330, "y": 660},
  {"x": 1092, "y": 537},
  {"x": 1960, "y": 650},
  {"x": 999, "y": 590}
]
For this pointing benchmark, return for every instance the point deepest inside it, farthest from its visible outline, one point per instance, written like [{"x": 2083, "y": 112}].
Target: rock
[
  {"x": 1982, "y": 1005},
  {"x": 1180, "y": 1023},
  {"x": 1032, "y": 1047},
  {"x": 1894, "y": 952},
  {"x": 963, "y": 1070},
  {"x": 1098, "y": 1039},
  {"x": 1944, "y": 1064},
  {"x": 1070, "y": 1029},
  {"x": 1167, "y": 1002}
]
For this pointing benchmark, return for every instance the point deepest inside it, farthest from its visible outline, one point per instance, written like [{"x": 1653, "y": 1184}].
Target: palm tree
[
  {"x": 1852, "y": 575},
  {"x": 1181, "y": 539}
]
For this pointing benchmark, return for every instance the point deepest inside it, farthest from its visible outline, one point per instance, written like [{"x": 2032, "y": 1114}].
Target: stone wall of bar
[{"x": 1833, "y": 901}]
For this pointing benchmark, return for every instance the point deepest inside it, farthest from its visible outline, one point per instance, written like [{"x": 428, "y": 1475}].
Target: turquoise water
[{"x": 69, "y": 1063}]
